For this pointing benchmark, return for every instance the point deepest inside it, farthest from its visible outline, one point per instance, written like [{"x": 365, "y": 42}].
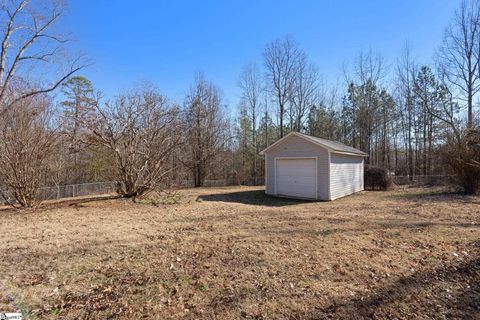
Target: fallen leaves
[{"x": 372, "y": 255}]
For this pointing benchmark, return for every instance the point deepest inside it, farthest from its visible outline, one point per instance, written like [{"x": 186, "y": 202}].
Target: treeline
[
  {"x": 400, "y": 122},
  {"x": 411, "y": 119}
]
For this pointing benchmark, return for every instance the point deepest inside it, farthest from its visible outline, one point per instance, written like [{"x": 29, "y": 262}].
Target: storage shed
[{"x": 306, "y": 167}]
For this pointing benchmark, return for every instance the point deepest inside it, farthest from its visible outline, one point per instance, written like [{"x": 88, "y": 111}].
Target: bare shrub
[
  {"x": 140, "y": 129},
  {"x": 26, "y": 143},
  {"x": 462, "y": 155},
  {"x": 377, "y": 178}
]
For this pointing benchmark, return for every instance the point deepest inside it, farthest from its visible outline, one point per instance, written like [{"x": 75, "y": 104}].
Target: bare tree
[
  {"x": 304, "y": 92},
  {"x": 459, "y": 55},
  {"x": 26, "y": 144},
  {"x": 405, "y": 86},
  {"x": 206, "y": 128},
  {"x": 369, "y": 66},
  {"x": 140, "y": 129},
  {"x": 364, "y": 95},
  {"x": 281, "y": 61},
  {"x": 28, "y": 44},
  {"x": 323, "y": 118},
  {"x": 250, "y": 83}
]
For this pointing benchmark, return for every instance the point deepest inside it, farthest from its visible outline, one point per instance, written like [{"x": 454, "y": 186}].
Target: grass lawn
[{"x": 230, "y": 253}]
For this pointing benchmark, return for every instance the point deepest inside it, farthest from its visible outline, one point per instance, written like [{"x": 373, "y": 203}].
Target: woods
[
  {"x": 410, "y": 118},
  {"x": 406, "y": 115}
]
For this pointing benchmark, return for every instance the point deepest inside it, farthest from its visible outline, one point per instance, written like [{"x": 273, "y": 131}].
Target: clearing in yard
[{"x": 233, "y": 252}]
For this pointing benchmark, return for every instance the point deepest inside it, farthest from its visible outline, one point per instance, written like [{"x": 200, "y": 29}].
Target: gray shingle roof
[{"x": 334, "y": 145}]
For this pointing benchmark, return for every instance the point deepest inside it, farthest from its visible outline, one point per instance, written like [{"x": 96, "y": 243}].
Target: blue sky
[{"x": 166, "y": 42}]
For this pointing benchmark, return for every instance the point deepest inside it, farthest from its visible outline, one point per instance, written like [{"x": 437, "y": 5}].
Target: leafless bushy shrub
[
  {"x": 462, "y": 154},
  {"x": 26, "y": 142},
  {"x": 141, "y": 130},
  {"x": 377, "y": 178}
]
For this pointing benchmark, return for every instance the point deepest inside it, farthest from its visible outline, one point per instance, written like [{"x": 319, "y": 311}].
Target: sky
[{"x": 167, "y": 42}]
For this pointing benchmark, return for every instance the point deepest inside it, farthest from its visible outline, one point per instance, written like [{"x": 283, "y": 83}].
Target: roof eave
[
  {"x": 351, "y": 153},
  {"x": 307, "y": 138}
]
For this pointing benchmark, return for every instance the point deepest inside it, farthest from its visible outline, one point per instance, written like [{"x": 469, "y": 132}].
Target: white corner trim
[
  {"x": 266, "y": 173},
  {"x": 329, "y": 158},
  {"x": 316, "y": 178}
]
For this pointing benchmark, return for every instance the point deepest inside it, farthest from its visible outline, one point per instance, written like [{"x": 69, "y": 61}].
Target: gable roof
[{"x": 332, "y": 146}]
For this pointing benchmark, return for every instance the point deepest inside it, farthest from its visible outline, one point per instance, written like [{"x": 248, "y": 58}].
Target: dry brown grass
[{"x": 236, "y": 253}]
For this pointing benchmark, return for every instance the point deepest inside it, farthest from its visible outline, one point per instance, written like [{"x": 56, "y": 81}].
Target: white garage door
[{"x": 296, "y": 178}]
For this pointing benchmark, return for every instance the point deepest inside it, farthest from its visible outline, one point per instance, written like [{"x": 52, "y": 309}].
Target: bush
[
  {"x": 377, "y": 178},
  {"x": 462, "y": 155}
]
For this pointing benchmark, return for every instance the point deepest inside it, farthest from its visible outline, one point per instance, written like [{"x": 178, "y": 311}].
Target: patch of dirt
[{"x": 230, "y": 253}]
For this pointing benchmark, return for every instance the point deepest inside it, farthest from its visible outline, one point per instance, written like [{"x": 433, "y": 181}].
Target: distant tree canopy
[{"x": 401, "y": 115}]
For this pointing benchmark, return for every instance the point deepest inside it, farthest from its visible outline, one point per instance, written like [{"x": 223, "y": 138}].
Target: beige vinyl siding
[
  {"x": 294, "y": 146},
  {"x": 346, "y": 175}
]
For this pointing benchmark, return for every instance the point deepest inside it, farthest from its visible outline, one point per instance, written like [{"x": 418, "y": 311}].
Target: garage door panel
[{"x": 296, "y": 177}]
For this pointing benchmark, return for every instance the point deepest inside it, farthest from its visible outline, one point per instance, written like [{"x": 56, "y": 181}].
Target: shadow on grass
[
  {"x": 253, "y": 197},
  {"x": 452, "y": 291},
  {"x": 300, "y": 228},
  {"x": 436, "y": 195}
]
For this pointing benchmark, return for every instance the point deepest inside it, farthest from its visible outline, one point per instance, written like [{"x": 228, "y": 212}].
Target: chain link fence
[
  {"x": 421, "y": 180},
  {"x": 250, "y": 181},
  {"x": 76, "y": 190},
  {"x": 108, "y": 188}
]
